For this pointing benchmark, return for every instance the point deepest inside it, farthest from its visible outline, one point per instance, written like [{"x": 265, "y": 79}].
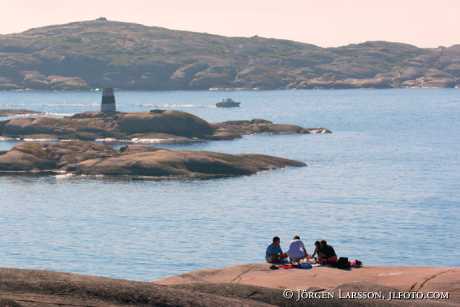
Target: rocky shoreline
[
  {"x": 156, "y": 126},
  {"x": 246, "y": 285},
  {"x": 142, "y": 162},
  {"x": 14, "y": 112}
]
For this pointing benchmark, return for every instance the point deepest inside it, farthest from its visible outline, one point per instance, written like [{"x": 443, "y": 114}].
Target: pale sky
[{"x": 425, "y": 23}]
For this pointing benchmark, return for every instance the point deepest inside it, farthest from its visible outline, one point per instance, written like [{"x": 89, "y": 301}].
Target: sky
[{"x": 327, "y": 23}]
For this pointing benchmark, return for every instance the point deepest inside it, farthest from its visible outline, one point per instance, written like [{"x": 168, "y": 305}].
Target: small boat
[{"x": 228, "y": 103}]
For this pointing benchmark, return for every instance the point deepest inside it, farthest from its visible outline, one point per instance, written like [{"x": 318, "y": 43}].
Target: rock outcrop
[
  {"x": 133, "y": 56},
  {"x": 156, "y": 126},
  {"x": 256, "y": 126},
  {"x": 87, "y": 158}
]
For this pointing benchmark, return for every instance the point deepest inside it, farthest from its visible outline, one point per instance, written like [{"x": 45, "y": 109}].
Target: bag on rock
[{"x": 343, "y": 263}]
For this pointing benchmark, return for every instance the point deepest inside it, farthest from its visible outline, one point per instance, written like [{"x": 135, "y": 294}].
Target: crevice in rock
[{"x": 425, "y": 281}]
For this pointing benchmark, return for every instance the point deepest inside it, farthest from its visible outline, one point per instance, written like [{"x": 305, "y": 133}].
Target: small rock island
[
  {"x": 134, "y": 161},
  {"x": 156, "y": 126}
]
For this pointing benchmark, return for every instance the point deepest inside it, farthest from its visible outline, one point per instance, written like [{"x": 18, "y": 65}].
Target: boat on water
[{"x": 228, "y": 103}]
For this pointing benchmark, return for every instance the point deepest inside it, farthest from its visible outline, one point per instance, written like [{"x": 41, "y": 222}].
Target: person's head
[
  {"x": 296, "y": 237},
  {"x": 323, "y": 242},
  {"x": 276, "y": 240},
  {"x": 317, "y": 244}
]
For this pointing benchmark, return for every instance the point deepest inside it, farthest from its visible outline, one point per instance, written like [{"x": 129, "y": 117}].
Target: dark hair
[
  {"x": 296, "y": 237},
  {"x": 317, "y": 243},
  {"x": 276, "y": 239},
  {"x": 323, "y": 242}
]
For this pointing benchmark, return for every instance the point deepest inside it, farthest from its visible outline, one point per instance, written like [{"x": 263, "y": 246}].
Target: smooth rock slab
[
  {"x": 258, "y": 278},
  {"x": 88, "y": 158}
]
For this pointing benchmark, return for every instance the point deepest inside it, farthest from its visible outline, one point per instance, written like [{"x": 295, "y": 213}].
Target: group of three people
[{"x": 324, "y": 253}]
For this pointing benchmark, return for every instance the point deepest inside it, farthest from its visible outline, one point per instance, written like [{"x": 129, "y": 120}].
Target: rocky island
[
  {"x": 101, "y": 52},
  {"x": 135, "y": 161},
  {"x": 156, "y": 126}
]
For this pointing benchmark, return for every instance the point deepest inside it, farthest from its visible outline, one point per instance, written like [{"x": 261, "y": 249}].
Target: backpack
[{"x": 343, "y": 263}]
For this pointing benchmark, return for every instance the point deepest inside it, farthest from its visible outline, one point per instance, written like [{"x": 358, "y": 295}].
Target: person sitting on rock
[
  {"x": 274, "y": 253},
  {"x": 326, "y": 253},
  {"x": 297, "y": 251}
]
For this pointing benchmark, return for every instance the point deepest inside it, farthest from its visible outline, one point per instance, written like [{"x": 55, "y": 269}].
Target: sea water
[{"x": 383, "y": 188}]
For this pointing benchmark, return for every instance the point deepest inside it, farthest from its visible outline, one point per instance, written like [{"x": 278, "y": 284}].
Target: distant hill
[{"x": 97, "y": 53}]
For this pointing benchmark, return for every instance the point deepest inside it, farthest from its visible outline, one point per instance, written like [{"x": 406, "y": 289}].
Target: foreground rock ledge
[
  {"x": 258, "y": 282},
  {"x": 221, "y": 288},
  {"x": 156, "y": 126},
  {"x": 88, "y": 158},
  {"x": 41, "y": 288}
]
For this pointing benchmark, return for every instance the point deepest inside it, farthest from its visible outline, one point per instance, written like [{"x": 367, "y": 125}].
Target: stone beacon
[{"x": 108, "y": 101}]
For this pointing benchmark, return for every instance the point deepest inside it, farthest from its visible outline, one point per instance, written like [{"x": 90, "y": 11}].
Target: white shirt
[{"x": 296, "y": 249}]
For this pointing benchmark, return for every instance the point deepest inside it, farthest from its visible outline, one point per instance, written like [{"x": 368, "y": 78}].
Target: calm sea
[{"x": 384, "y": 188}]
